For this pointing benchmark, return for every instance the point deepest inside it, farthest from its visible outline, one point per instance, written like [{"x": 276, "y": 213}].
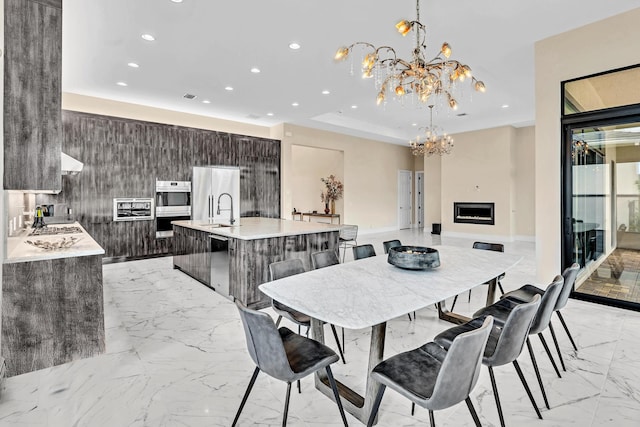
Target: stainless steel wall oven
[{"x": 173, "y": 203}]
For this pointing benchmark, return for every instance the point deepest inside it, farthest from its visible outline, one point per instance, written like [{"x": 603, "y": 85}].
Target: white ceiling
[{"x": 202, "y": 46}]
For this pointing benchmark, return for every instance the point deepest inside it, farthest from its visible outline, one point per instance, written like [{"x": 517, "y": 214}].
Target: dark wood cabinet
[
  {"x": 32, "y": 94},
  {"x": 192, "y": 253}
]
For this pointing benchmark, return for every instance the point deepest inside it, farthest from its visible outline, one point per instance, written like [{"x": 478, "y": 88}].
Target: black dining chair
[
  {"x": 284, "y": 355},
  {"x": 496, "y": 247},
  {"x": 500, "y": 311},
  {"x": 503, "y": 347},
  {"x": 527, "y": 292},
  {"x": 363, "y": 251},
  {"x": 390, "y": 244},
  {"x": 286, "y": 268},
  {"x": 432, "y": 377}
]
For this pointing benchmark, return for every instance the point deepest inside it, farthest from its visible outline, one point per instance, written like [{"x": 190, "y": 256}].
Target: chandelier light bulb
[
  {"x": 341, "y": 54},
  {"x": 403, "y": 27},
  {"x": 480, "y": 87},
  {"x": 453, "y": 104},
  {"x": 446, "y": 50},
  {"x": 400, "y": 90},
  {"x": 380, "y": 98}
]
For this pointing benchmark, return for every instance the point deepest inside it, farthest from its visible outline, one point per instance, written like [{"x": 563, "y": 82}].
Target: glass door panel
[{"x": 605, "y": 210}]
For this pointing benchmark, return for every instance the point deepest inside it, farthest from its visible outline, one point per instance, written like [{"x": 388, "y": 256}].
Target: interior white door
[
  {"x": 404, "y": 199},
  {"x": 419, "y": 192}
]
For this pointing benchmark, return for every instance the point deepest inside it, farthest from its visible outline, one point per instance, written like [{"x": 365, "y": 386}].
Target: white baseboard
[
  {"x": 492, "y": 237},
  {"x": 362, "y": 232}
]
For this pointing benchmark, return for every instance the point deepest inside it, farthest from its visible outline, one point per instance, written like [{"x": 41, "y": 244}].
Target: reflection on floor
[
  {"x": 618, "y": 277},
  {"x": 176, "y": 356}
]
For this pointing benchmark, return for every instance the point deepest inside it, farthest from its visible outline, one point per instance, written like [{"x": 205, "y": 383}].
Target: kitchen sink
[{"x": 209, "y": 225}]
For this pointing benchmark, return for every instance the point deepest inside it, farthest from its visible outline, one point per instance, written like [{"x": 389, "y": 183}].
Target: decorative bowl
[
  {"x": 414, "y": 257},
  {"x": 54, "y": 245}
]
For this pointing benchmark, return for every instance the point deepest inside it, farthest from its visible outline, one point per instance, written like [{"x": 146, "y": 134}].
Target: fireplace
[{"x": 474, "y": 213}]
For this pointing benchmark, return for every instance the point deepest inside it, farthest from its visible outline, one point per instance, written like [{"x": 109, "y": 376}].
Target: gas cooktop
[{"x": 52, "y": 231}]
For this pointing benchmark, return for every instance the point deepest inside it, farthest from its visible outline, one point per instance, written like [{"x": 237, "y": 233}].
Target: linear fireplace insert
[{"x": 474, "y": 213}]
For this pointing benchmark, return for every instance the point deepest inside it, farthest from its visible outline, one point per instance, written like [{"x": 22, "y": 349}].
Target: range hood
[{"x": 70, "y": 166}]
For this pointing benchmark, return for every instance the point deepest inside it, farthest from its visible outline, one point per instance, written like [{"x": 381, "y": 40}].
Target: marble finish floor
[{"x": 176, "y": 356}]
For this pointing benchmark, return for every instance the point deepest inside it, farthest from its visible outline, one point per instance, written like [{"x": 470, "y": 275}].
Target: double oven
[{"x": 173, "y": 203}]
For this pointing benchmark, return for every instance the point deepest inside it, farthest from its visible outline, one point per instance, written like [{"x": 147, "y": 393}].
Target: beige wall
[
  {"x": 87, "y": 104},
  {"x": 432, "y": 190},
  {"x": 370, "y": 174},
  {"x": 308, "y": 165},
  {"x": 604, "y": 45},
  {"x": 525, "y": 183}
]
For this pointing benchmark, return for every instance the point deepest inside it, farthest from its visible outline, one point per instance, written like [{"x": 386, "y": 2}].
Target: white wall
[{"x": 601, "y": 46}]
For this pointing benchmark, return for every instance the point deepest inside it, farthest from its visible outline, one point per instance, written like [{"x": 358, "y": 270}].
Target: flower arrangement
[{"x": 334, "y": 189}]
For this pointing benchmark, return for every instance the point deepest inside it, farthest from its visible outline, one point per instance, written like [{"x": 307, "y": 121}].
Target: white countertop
[
  {"x": 260, "y": 228},
  {"x": 370, "y": 291},
  {"x": 18, "y": 250}
]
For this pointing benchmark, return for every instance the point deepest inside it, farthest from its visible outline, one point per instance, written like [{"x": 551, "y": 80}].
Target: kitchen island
[
  {"x": 52, "y": 301},
  {"x": 234, "y": 260}
]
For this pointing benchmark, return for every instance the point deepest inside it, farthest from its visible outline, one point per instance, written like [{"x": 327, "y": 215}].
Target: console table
[{"x": 310, "y": 215}]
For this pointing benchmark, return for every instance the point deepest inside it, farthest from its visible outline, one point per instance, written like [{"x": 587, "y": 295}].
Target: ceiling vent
[
  {"x": 253, "y": 117},
  {"x": 189, "y": 96},
  {"x": 461, "y": 114}
]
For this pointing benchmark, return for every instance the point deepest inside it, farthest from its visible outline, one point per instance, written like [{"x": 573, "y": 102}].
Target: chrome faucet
[{"x": 231, "y": 220}]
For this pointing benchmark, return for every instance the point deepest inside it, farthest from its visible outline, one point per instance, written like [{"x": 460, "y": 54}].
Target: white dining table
[{"x": 369, "y": 292}]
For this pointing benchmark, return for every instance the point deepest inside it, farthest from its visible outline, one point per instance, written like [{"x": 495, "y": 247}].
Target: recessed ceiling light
[
  {"x": 325, "y": 92},
  {"x": 148, "y": 37},
  {"x": 255, "y": 70},
  {"x": 414, "y": 124},
  {"x": 294, "y": 46},
  {"x": 206, "y": 101},
  {"x": 505, "y": 105},
  {"x": 354, "y": 106},
  {"x": 295, "y": 104},
  {"x": 269, "y": 114},
  {"x": 133, "y": 65},
  {"x": 229, "y": 88},
  {"x": 177, "y": 1},
  {"x": 121, "y": 84}
]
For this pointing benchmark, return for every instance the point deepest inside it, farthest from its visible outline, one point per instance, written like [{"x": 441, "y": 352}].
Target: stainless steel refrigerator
[{"x": 215, "y": 194}]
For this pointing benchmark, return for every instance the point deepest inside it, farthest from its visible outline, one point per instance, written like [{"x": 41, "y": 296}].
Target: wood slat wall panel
[{"x": 123, "y": 158}]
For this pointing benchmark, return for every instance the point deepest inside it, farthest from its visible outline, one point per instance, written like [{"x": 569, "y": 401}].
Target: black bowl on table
[{"x": 414, "y": 257}]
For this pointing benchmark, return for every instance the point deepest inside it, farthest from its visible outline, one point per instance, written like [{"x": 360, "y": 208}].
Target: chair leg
[
  {"x": 246, "y": 395},
  {"x": 413, "y": 408},
  {"x": 299, "y": 388},
  {"x": 335, "y": 335},
  {"x": 566, "y": 329},
  {"x": 546, "y": 348},
  {"x": 469, "y": 296},
  {"x": 496, "y": 396},
  {"x": 455, "y": 299},
  {"x": 474, "y": 414},
  {"x": 334, "y": 387},
  {"x": 432, "y": 420},
  {"x": 344, "y": 348},
  {"x": 526, "y": 387},
  {"x": 409, "y": 314},
  {"x": 535, "y": 368},
  {"x": 286, "y": 405},
  {"x": 500, "y": 287},
  {"x": 555, "y": 341},
  {"x": 278, "y": 321},
  {"x": 376, "y": 405}
]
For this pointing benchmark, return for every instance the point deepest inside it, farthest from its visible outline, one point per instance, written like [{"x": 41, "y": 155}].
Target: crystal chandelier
[
  {"x": 418, "y": 76},
  {"x": 434, "y": 142}
]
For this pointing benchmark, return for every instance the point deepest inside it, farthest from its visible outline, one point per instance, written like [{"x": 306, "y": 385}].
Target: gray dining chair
[
  {"x": 500, "y": 311},
  {"x": 390, "y": 244},
  {"x": 526, "y": 292},
  {"x": 348, "y": 236},
  {"x": 363, "y": 251},
  {"x": 322, "y": 259},
  {"x": 433, "y": 378},
  {"x": 286, "y": 268},
  {"x": 496, "y": 247},
  {"x": 284, "y": 355},
  {"x": 504, "y": 345}
]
